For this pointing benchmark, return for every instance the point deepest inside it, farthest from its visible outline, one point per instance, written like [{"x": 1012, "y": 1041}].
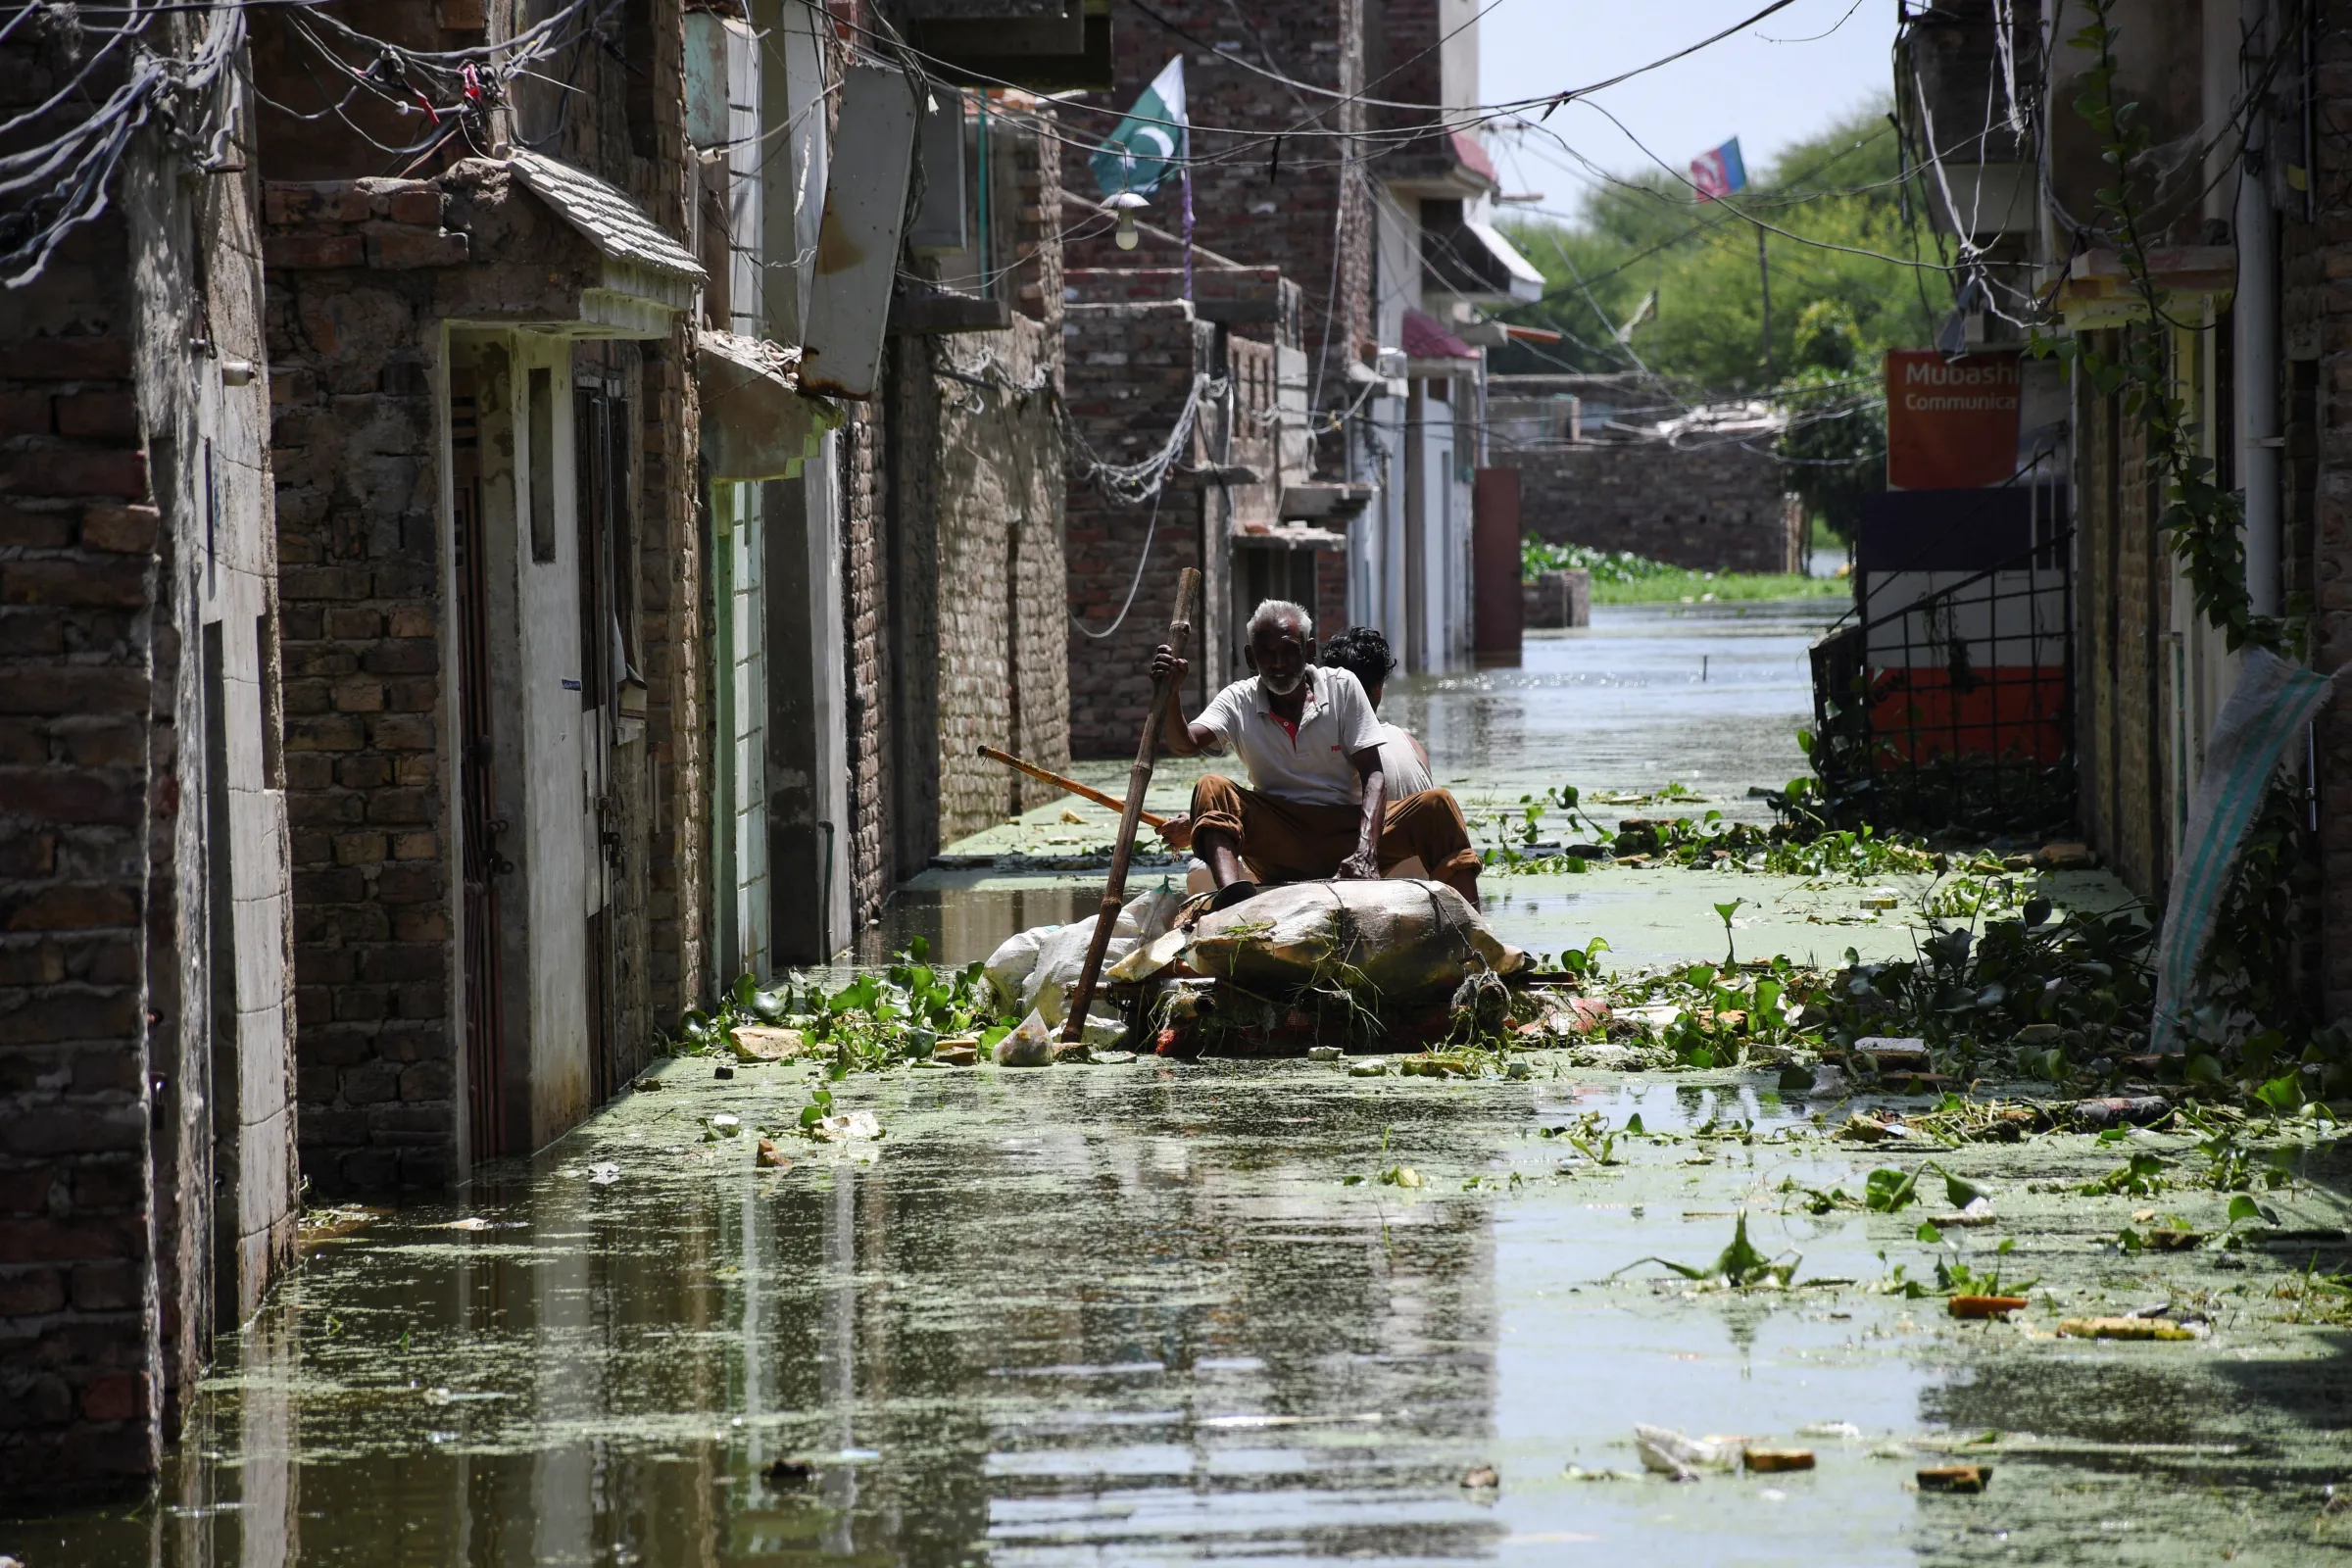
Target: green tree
[
  {"x": 1845, "y": 187},
  {"x": 1833, "y": 450},
  {"x": 1839, "y": 301}
]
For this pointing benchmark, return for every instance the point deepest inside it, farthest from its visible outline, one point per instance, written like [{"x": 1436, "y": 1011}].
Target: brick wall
[
  {"x": 132, "y": 512},
  {"x": 77, "y": 805},
  {"x": 363, "y": 275},
  {"x": 669, "y": 587},
  {"x": 1128, "y": 370},
  {"x": 2124, "y": 675},
  {"x": 1307, "y": 213},
  {"x": 1710, "y": 509},
  {"x": 354, "y": 336},
  {"x": 971, "y": 546}
]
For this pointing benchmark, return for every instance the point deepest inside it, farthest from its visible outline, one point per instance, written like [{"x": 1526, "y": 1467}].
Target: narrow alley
[{"x": 1030, "y": 782}]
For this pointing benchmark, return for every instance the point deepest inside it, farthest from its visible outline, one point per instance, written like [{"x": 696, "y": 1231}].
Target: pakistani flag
[{"x": 1149, "y": 144}]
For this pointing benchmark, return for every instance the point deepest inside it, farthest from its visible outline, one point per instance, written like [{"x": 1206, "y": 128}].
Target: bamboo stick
[
  {"x": 1085, "y": 792},
  {"x": 1139, "y": 780}
]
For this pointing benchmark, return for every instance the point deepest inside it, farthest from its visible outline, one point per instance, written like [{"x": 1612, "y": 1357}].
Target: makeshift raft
[{"x": 1362, "y": 965}]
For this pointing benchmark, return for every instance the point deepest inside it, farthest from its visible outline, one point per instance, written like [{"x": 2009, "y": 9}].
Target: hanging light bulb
[{"x": 1127, "y": 236}]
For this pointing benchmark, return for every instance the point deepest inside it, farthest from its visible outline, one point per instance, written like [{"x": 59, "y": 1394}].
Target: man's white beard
[{"x": 1276, "y": 687}]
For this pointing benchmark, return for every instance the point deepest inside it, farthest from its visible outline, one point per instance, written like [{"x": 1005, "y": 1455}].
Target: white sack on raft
[{"x": 1411, "y": 942}]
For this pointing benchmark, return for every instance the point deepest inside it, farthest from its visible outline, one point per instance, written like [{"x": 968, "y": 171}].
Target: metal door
[{"x": 481, "y": 825}]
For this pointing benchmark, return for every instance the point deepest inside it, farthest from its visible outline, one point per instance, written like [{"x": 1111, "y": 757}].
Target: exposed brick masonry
[{"x": 1710, "y": 509}]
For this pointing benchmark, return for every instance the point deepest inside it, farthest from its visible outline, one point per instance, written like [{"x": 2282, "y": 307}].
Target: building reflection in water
[{"x": 1151, "y": 1319}]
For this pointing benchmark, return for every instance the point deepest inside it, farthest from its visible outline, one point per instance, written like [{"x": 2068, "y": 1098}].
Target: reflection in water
[
  {"x": 1139, "y": 1314},
  {"x": 1005, "y": 1336}
]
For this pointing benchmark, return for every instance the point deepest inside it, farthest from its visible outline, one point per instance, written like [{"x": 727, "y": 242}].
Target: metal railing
[{"x": 1954, "y": 708}]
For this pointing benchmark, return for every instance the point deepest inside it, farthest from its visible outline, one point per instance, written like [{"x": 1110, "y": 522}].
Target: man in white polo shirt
[{"x": 1317, "y": 804}]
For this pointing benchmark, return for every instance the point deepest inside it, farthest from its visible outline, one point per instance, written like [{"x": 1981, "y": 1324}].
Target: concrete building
[
  {"x": 1378, "y": 218},
  {"x": 2239, "y": 209},
  {"x": 147, "y": 1123},
  {"x": 1438, "y": 263},
  {"x": 481, "y": 377}
]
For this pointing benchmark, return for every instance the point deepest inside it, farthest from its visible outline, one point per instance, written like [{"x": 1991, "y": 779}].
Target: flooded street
[
  {"x": 1152, "y": 1314},
  {"x": 1277, "y": 1313}
]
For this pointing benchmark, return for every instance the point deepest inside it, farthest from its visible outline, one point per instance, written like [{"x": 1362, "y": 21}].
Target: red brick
[
  {"x": 395, "y": 247},
  {"x": 62, "y": 795},
  {"x": 420, "y": 204},
  {"x": 299, "y": 252},
  {"x": 120, "y": 584},
  {"x": 117, "y": 1397},
  {"x": 115, "y": 745},
  {"x": 75, "y": 471},
  {"x": 26, "y": 1192},
  {"x": 110, "y": 1286},
  {"x": 35, "y": 530},
  {"x": 74, "y": 689},
  {"x": 330, "y": 201},
  {"x": 98, "y": 417},
  {"x": 42, "y": 965},
  {"x": 125, "y": 530},
  {"x": 44, "y": 1241},
  {"x": 71, "y": 906},
  {"x": 65, "y": 358},
  {"x": 35, "y": 1293}
]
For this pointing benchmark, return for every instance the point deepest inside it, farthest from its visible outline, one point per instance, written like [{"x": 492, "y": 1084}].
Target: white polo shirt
[
  {"x": 1401, "y": 763},
  {"x": 1313, "y": 766}
]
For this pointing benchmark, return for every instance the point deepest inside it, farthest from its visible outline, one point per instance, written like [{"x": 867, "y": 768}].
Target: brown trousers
[{"x": 1284, "y": 841}]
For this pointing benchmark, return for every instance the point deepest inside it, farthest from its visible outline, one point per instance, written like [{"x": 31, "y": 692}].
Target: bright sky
[{"x": 1767, "y": 93}]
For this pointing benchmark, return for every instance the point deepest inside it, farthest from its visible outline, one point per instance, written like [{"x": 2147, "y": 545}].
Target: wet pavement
[{"x": 1159, "y": 1314}]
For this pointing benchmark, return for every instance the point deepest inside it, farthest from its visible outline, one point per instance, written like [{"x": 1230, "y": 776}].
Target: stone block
[
  {"x": 312, "y": 252},
  {"x": 397, "y": 247},
  {"x": 77, "y": 472},
  {"x": 65, "y": 358},
  {"x": 122, "y": 529}
]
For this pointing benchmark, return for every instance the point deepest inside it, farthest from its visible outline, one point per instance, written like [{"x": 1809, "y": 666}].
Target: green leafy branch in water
[
  {"x": 872, "y": 1022},
  {"x": 1739, "y": 1266},
  {"x": 2201, "y": 521}
]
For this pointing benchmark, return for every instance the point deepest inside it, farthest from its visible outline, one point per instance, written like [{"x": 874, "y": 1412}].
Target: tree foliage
[{"x": 1844, "y": 187}]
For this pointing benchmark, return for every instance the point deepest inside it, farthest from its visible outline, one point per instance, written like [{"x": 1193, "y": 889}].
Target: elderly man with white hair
[{"x": 1317, "y": 804}]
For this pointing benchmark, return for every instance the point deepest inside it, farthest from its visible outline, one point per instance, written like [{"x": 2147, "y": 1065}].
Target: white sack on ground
[
  {"x": 1412, "y": 942},
  {"x": 1009, "y": 966},
  {"x": 1046, "y": 983}
]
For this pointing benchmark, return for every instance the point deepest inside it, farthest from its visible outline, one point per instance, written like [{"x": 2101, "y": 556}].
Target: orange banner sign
[{"x": 1951, "y": 424}]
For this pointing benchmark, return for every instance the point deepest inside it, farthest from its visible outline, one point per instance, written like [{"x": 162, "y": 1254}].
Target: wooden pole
[
  {"x": 1139, "y": 780},
  {"x": 1085, "y": 792}
]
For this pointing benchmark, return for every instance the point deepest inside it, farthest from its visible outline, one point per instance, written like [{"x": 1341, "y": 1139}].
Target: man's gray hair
[{"x": 1276, "y": 612}]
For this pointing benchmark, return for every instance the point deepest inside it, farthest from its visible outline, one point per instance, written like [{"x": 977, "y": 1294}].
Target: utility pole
[{"x": 1764, "y": 281}]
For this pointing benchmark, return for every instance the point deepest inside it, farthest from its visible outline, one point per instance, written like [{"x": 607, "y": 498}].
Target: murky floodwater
[
  {"x": 1156, "y": 1314},
  {"x": 1141, "y": 1314},
  {"x": 1709, "y": 695}
]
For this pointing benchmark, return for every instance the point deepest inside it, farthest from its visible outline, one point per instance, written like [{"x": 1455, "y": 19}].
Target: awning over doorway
[
  {"x": 756, "y": 424},
  {"x": 647, "y": 274}
]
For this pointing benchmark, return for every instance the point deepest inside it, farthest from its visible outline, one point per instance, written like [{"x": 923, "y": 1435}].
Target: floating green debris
[{"x": 1739, "y": 1266}]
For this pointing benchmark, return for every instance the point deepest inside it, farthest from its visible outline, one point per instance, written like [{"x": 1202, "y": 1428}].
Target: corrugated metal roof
[{"x": 610, "y": 221}]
